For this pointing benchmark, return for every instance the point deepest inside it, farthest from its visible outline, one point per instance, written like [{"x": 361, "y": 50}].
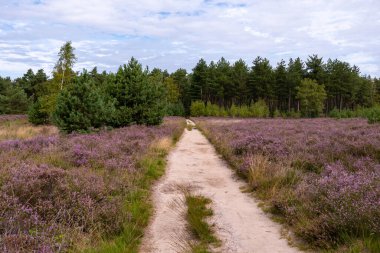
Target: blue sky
[{"x": 170, "y": 34}]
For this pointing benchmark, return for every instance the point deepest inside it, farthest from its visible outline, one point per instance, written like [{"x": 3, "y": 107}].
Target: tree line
[
  {"x": 81, "y": 100},
  {"x": 225, "y": 84}
]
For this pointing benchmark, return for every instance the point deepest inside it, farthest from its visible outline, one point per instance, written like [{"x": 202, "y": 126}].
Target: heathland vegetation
[
  {"x": 80, "y": 192},
  {"x": 318, "y": 176}
]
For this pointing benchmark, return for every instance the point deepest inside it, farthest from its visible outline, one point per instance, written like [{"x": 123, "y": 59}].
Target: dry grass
[
  {"x": 269, "y": 178},
  {"x": 164, "y": 144},
  {"x": 22, "y": 129}
]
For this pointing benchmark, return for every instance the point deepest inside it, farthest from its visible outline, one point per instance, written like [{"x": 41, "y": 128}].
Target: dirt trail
[{"x": 240, "y": 223}]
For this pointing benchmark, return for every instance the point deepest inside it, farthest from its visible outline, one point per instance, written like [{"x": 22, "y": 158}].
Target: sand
[{"x": 239, "y": 222}]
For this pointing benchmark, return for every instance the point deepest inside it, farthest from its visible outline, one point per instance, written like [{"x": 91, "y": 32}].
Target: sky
[{"x": 172, "y": 34}]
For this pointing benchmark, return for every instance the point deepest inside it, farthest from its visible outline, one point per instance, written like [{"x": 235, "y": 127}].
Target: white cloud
[
  {"x": 176, "y": 33},
  {"x": 256, "y": 33}
]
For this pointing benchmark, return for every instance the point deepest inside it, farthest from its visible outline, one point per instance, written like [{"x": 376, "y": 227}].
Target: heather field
[
  {"x": 321, "y": 177},
  {"x": 80, "y": 192}
]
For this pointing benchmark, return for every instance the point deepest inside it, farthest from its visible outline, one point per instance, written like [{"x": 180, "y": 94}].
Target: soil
[{"x": 238, "y": 221}]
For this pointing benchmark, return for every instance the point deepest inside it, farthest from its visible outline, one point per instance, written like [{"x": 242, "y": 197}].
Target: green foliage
[
  {"x": 13, "y": 100},
  {"x": 175, "y": 109},
  {"x": 315, "y": 69},
  {"x": 312, "y": 97},
  {"x": 262, "y": 79},
  {"x": 196, "y": 216},
  {"x": 181, "y": 78},
  {"x": 372, "y": 113},
  {"x": 197, "y": 109},
  {"x": 172, "y": 90},
  {"x": 31, "y": 83},
  {"x": 212, "y": 110},
  {"x": 45, "y": 92},
  {"x": 277, "y": 114},
  {"x": 43, "y": 108},
  {"x": 199, "y": 80},
  {"x": 259, "y": 109},
  {"x": 293, "y": 114},
  {"x": 139, "y": 97},
  {"x": 122, "y": 116},
  {"x": 233, "y": 111},
  {"x": 63, "y": 71},
  {"x": 81, "y": 107},
  {"x": 36, "y": 115}
]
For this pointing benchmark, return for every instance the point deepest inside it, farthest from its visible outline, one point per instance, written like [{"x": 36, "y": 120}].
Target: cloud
[{"x": 177, "y": 33}]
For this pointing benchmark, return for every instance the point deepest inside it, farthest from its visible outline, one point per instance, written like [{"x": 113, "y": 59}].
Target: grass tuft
[{"x": 197, "y": 214}]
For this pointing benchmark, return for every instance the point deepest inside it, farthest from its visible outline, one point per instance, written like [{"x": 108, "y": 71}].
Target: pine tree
[
  {"x": 199, "y": 81},
  {"x": 81, "y": 107},
  {"x": 261, "y": 81},
  {"x": 240, "y": 82},
  {"x": 296, "y": 73},
  {"x": 315, "y": 69},
  {"x": 13, "y": 100},
  {"x": 281, "y": 88}
]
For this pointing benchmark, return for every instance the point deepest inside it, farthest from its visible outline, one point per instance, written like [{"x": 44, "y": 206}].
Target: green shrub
[
  {"x": 13, "y": 100},
  {"x": 277, "y": 114},
  {"x": 197, "y": 109},
  {"x": 175, "y": 109},
  {"x": 122, "y": 116},
  {"x": 233, "y": 111},
  {"x": 212, "y": 110},
  {"x": 293, "y": 114},
  {"x": 81, "y": 107},
  {"x": 244, "y": 111},
  {"x": 36, "y": 115},
  {"x": 223, "y": 112},
  {"x": 259, "y": 109},
  {"x": 334, "y": 113},
  {"x": 373, "y": 115}
]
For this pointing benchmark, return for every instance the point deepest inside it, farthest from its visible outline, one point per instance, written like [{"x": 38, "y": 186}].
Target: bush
[
  {"x": 197, "y": 109},
  {"x": 13, "y": 101},
  {"x": 175, "y": 109},
  {"x": 81, "y": 107},
  {"x": 293, "y": 114},
  {"x": 212, "y": 110},
  {"x": 334, "y": 113},
  {"x": 259, "y": 109},
  {"x": 36, "y": 115},
  {"x": 277, "y": 114},
  {"x": 373, "y": 115},
  {"x": 244, "y": 111},
  {"x": 121, "y": 117},
  {"x": 233, "y": 111}
]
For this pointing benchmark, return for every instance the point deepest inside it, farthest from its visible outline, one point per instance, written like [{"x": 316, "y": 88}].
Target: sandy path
[{"x": 241, "y": 224}]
